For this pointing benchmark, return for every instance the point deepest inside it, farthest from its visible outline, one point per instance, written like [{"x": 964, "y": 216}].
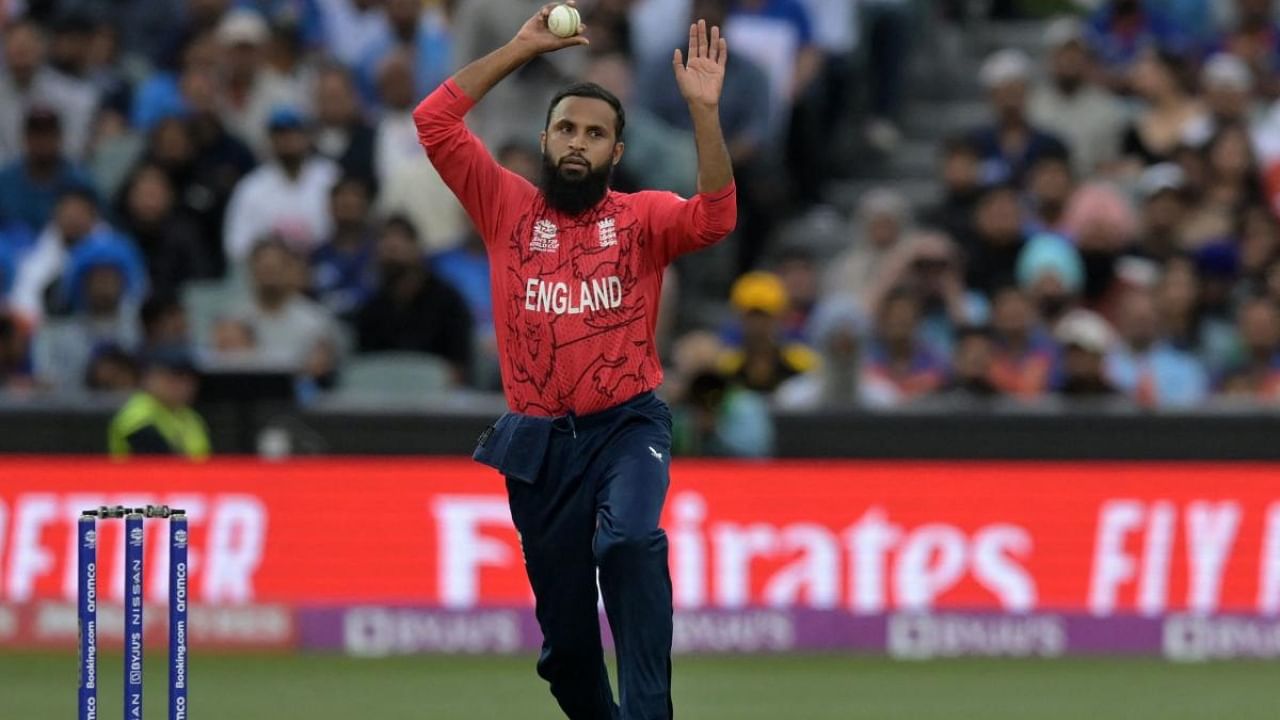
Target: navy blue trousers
[{"x": 586, "y": 495}]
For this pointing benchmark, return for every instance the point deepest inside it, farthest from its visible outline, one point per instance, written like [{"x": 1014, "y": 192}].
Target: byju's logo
[
  {"x": 135, "y": 536},
  {"x": 180, "y": 537},
  {"x": 91, "y": 538}
]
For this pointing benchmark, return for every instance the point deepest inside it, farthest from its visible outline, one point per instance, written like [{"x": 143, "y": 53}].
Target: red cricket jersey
[{"x": 575, "y": 298}]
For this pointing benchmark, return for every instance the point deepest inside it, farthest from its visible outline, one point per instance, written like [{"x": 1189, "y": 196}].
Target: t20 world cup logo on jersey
[{"x": 545, "y": 237}]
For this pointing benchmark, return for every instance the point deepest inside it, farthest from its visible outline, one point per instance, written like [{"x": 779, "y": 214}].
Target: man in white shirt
[
  {"x": 288, "y": 197},
  {"x": 1089, "y": 119},
  {"x": 351, "y": 26},
  {"x": 251, "y": 90}
]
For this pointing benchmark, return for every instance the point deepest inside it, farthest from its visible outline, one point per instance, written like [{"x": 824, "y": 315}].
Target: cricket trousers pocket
[{"x": 592, "y": 505}]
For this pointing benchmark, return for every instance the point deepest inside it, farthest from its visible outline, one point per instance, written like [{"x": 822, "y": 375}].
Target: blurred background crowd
[{"x": 1078, "y": 207}]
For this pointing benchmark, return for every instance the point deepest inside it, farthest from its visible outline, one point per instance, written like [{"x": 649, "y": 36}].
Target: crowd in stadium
[{"x": 1109, "y": 233}]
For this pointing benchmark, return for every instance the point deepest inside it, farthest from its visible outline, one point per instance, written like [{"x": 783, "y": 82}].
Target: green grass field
[{"x": 42, "y": 686}]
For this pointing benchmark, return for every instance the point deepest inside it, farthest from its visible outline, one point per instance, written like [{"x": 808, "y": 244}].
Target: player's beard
[{"x": 572, "y": 196}]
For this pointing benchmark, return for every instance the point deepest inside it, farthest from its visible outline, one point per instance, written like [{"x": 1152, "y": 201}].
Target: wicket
[{"x": 87, "y": 606}]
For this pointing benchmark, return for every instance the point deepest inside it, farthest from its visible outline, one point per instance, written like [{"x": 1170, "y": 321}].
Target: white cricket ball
[{"x": 564, "y": 21}]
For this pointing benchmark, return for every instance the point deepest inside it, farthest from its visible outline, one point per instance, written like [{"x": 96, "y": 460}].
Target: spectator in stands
[
  {"x": 410, "y": 187},
  {"x": 1103, "y": 225},
  {"x": 352, "y": 27},
  {"x": 396, "y": 137},
  {"x": 1161, "y": 189},
  {"x": 1259, "y": 244},
  {"x": 1088, "y": 118},
  {"x": 1050, "y": 184},
  {"x": 423, "y": 33},
  {"x": 882, "y": 224},
  {"x": 764, "y": 359},
  {"x": 888, "y": 37},
  {"x": 658, "y": 155},
  {"x": 997, "y": 239},
  {"x": 342, "y": 269},
  {"x": 31, "y": 184},
  {"x": 1234, "y": 184},
  {"x": 480, "y": 26},
  {"x": 1171, "y": 114},
  {"x": 840, "y": 380},
  {"x": 1257, "y": 375},
  {"x": 168, "y": 93},
  {"x": 41, "y": 286},
  {"x": 716, "y": 418},
  {"x": 1022, "y": 357},
  {"x": 168, "y": 238},
  {"x": 1051, "y": 275},
  {"x": 896, "y": 359},
  {"x": 341, "y": 133},
  {"x": 302, "y": 19},
  {"x": 778, "y": 36},
  {"x": 1146, "y": 366},
  {"x": 412, "y": 309},
  {"x": 1086, "y": 339},
  {"x": 928, "y": 265},
  {"x": 1228, "y": 89},
  {"x": 104, "y": 312},
  {"x": 1120, "y": 30},
  {"x": 961, "y": 175},
  {"x": 159, "y": 419},
  {"x": 973, "y": 368},
  {"x": 251, "y": 91},
  {"x": 797, "y": 267},
  {"x": 164, "y": 323},
  {"x": 287, "y": 330},
  {"x": 754, "y": 144},
  {"x": 1255, "y": 38},
  {"x": 522, "y": 159},
  {"x": 1011, "y": 144},
  {"x": 28, "y": 83},
  {"x": 1189, "y": 327},
  {"x": 466, "y": 269},
  {"x": 288, "y": 197}
]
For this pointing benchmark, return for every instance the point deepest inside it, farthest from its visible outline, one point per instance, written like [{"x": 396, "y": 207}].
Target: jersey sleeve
[
  {"x": 680, "y": 226},
  {"x": 484, "y": 187}
]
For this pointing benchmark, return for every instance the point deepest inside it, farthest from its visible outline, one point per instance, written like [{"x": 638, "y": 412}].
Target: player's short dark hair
[{"x": 591, "y": 90}]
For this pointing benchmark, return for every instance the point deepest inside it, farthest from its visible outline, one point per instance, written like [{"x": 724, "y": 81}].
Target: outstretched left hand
[{"x": 702, "y": 79}]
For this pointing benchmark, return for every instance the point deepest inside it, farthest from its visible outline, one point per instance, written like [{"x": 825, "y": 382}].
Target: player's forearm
[
  {"x": 479, "y": 77},
  {"x": 715, "y": 168}
]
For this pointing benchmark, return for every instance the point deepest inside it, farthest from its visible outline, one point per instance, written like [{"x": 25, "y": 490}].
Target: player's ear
[
  {"x": 618, "y": 148},
  {"x": 542, "y": 141}
]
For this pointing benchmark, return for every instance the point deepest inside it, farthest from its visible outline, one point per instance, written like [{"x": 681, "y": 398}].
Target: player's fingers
[
  {"x": 724, "y": 53},
  {"x": 702, "y": 38},
  {"x": 693, "y": 40},
  {"x": 713, "y": 49},
  {"x": 678, "y": 60}
]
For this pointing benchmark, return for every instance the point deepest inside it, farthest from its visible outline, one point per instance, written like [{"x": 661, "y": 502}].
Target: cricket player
[{"x": 576, "y": 270}]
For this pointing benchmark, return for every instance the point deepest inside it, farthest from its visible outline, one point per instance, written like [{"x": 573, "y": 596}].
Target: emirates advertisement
[{"x": 919, "y": 560}]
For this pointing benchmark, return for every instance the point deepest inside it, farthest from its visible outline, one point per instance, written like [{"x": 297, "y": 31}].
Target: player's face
[{"x": 582, "y": 137}]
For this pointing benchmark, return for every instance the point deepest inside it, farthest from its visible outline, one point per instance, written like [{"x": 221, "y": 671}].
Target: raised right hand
[{"x": 536, "y": 38}]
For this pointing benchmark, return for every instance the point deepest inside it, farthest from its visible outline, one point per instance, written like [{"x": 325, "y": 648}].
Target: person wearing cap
[
  {"x": 30, "y": 185},
  {"x": 1085, "y": 338},
  {"x": 288, "y": 197},
  {"x": 1162, "y": 191},
  {"x": 1011, "y": 143},
  {"x": 1228, "y": 87},
  {"x": 1087, "y": 117},
  {"x": 1051, "y": 273},
  {"x": 764, "y": 360},
  {"x": 883, "y": 221},
  {"x": 252, "y": 92},
  {"x": 159, "y": 419},
  {"x": 838, "y": 328}
]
